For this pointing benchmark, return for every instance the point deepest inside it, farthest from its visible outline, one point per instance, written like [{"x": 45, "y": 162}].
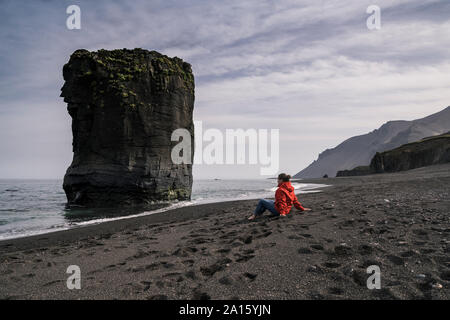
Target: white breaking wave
[
  {"x": 304, "y": 187},
  {"x": 40, "y": 209}
]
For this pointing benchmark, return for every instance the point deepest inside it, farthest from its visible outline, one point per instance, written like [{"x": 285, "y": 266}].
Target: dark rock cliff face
[
  {"x": 422, "y": 153},
  {"x": 358, "y": 171},
  {"x": 124, "y": 105},
  {"x": 426, "y": 152}
]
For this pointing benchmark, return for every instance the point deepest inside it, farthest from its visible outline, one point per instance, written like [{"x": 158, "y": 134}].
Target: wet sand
[{"x": 399, "y": 222}]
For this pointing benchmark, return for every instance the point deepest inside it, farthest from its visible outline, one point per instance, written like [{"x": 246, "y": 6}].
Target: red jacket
[{"x": 285, "y": 198}]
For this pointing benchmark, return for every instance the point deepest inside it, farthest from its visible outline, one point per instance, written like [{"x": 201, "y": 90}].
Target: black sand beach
[{"x": 399, "y": 222}]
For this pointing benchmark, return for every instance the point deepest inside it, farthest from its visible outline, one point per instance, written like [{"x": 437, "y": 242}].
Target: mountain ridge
[{"x": 359, "y": 150}]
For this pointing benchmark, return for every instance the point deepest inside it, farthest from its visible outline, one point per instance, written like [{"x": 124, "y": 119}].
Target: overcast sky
[{"x": 310, "y": 68}]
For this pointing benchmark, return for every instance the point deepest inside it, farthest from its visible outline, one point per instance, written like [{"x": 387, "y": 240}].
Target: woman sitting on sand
[{"x": 284, "y": 199}]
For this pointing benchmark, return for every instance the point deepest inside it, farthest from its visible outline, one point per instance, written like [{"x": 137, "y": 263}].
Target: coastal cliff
[
  {"x": 425, "y": 152},
  {"x": 124, "y": 105},
  {"x": 358, "y": 171}
]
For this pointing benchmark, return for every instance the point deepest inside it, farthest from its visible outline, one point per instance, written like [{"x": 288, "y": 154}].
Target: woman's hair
[{"x": 284, "y": 177}]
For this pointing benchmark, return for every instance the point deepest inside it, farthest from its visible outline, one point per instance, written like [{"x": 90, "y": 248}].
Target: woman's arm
[{"x": 299, "y": 206}]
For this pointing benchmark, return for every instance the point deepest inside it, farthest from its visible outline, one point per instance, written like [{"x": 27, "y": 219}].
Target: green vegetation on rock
[{"x": 117, "y": 71}]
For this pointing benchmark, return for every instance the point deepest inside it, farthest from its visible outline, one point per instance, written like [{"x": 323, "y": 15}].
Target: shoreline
[
  {"x": 397, "y": 221},
  {"x": 144, "y": 213},
  {"x": 116, "y": 225}
]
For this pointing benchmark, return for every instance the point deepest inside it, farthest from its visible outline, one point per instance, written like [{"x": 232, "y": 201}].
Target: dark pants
[{"x": 264, "y": 205}]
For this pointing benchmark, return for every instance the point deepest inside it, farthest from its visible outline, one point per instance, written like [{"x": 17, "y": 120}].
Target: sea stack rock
[{"x": 124, "y": 105}]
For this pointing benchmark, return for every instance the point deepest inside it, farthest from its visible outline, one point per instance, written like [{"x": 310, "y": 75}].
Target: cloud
[{"x": 311, "y": 68}]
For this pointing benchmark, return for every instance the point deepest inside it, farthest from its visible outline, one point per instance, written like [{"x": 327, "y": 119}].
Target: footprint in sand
[
  {"x": 167, "y": 265},
  {"x": 335, "y": 291},
  {"x": 407, "y": 254},
  {"x": 243, "y": 257},
  {"x": 190, "y": 275},
  {"x": 264, "y": 235},
  {"x": 205, "y": 252},
  {"x": 229, "y": 235},
  {"x": 184, "y": 252},
  {"x": 180, "y": 253},
  {"x": 188, "y": 262},
  {"x": 359, "y": 277},
  {"x": 223, "y": 251},
  {"x": 236, "y": 243},
  {"x": 304, "y": 251},
  {"x": 445, "y": 275},
  {"x": 331, "y": 265},
  {"x": 201, "y": 241},
  {"x": 420, "y": 232},
  {"x": 218, "y": 266},
  {"x": 370, "y": 262},
  {"x": 225, "y": 281},
  {"x": 146, "y": 285},
  {"x": 172, "y": 274},
  {"x": 198, "y": 295},
  {"x": 396, "y": 260},
  {"x": 266, "y": 245},
  {"x": 248, "y": 239},
  {"x": 365, "y": 249},
  {"x": 140, "y": 254},
  {"x": 136, "y": 269},
  {"x": 250, "y": 276},
  {"x": 342, "y": 250},
  {"x": 15, "y": 279},
  {"x": 315, "y": 269}
]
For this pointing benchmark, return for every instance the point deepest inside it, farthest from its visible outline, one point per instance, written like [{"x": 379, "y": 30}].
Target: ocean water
[{"x": 29, "y": 207}]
